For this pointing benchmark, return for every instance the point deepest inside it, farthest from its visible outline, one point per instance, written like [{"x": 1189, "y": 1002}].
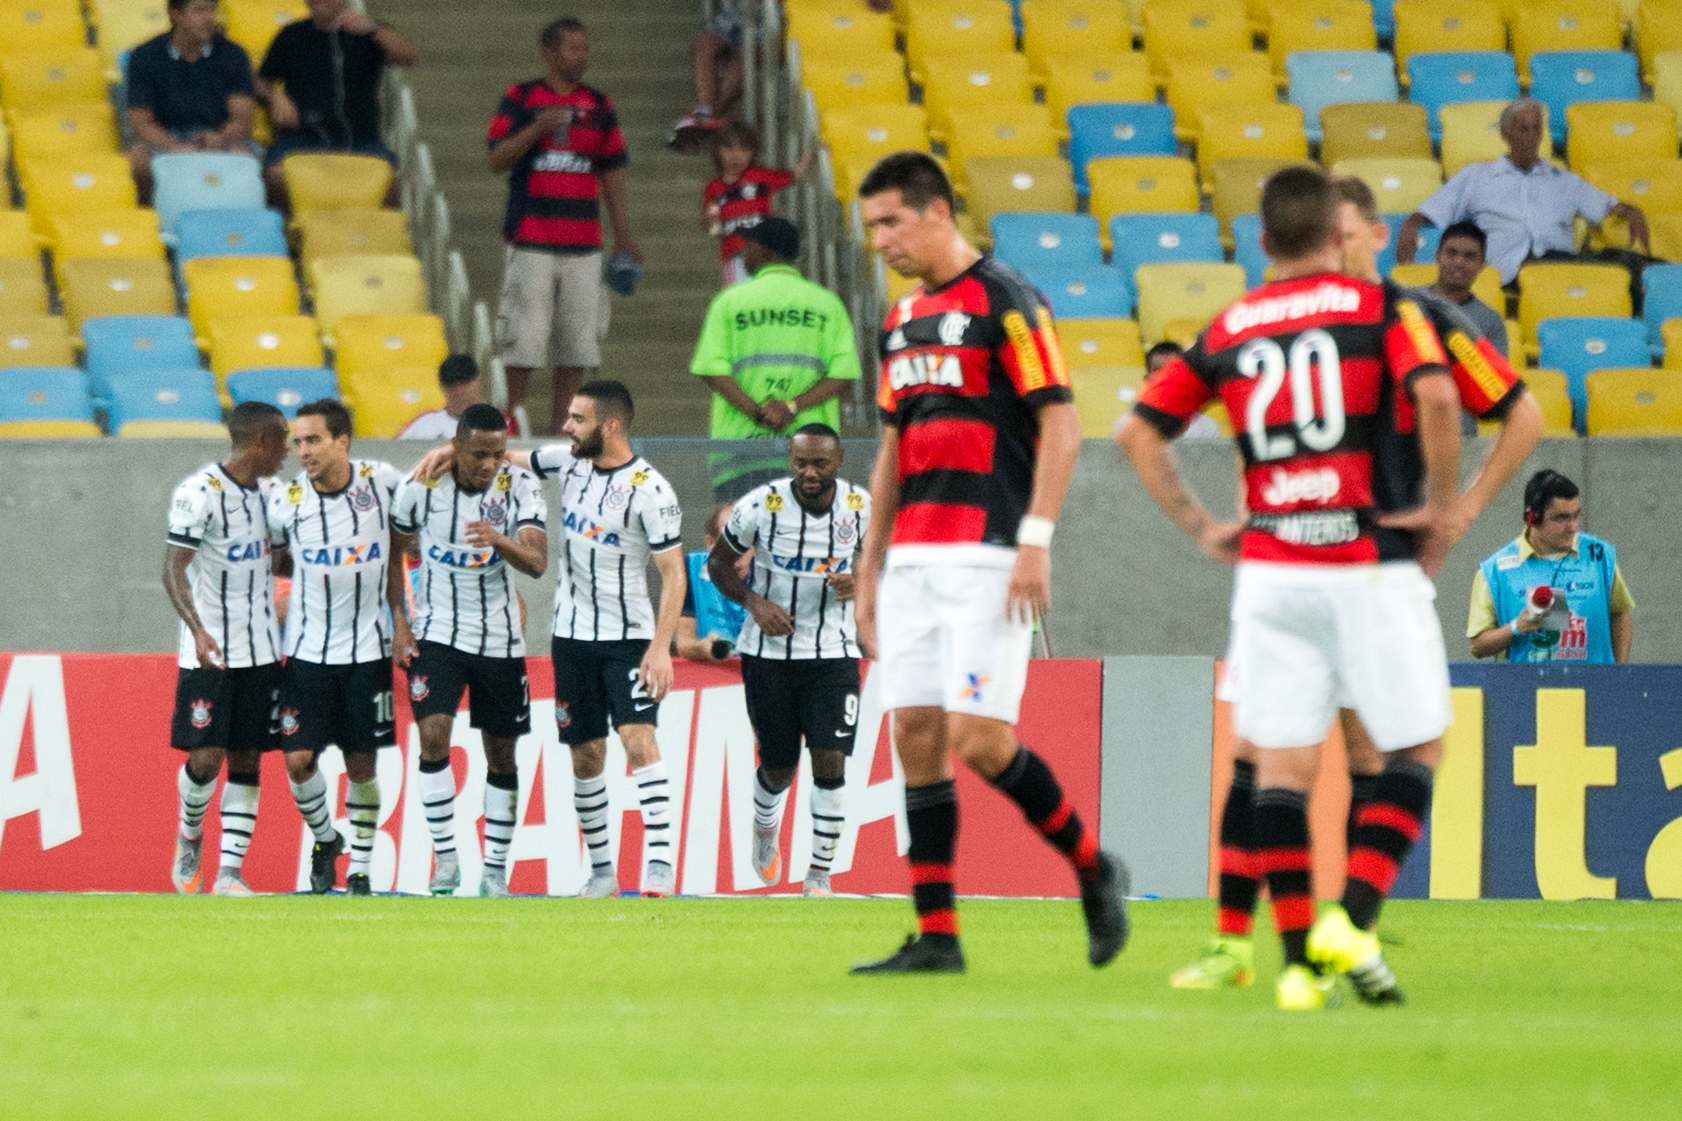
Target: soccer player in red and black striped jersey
[
  {"x": 979, "y": 443},
  {"x": 1329, "y": 605}
]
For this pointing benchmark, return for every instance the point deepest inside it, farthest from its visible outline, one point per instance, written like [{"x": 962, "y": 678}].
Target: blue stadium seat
[
  {"x": 230, "y": 232},
  {"x": 1247, "y": 250},
  {"x": 1143, "y": 239},
  {"x": 1663, "y": 301},
  {"x": 44, "y": 393},
  {"x": 1448, "y": 77},
  {"x": 1118, "y": 128},
  {"x": 1092, "y": 292},
  {"x": 1561, "y": 78},
  {"x": 204, "y": 181},
  {"x": 1427, "y": 252},
  {"x": 1322, "y": 78},
  {"x": 1046, "y": 238},
  {"x": 1578, "y": 346},
  {"x": 117, "y": 344},
  {"x": 285, "y": 388},
  {"x": 175, "y": 393}
]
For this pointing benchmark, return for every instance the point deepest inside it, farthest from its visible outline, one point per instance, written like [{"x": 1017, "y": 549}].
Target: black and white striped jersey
[
  {"x": 465, "y": 597},
  {"x": 227, "y": 526},
  {"x": 612, "y": 522},
  {"x": 794, "y": 554},
  {"x": 341, "y": 543}
]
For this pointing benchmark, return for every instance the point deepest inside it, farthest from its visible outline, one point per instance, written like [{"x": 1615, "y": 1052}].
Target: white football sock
[
  {"x": 437, "y": 790},
  {"x": 362, "y": 806},
  {"x": 767, "y": 805},
  {"x": 502, "y": 805},
  {"x": 828, "y": 816},
  {"x": 239, "y": 818},
  {"x": 589, "y": 798},
  {"x": 654, "y": 792},
  {"x": 195, "y": 799},
  {"x": 311, "y": 798}
]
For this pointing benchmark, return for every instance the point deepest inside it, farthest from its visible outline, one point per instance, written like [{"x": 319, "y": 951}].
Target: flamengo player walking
[
  {"x": 217, "y": 574},
  {"x": 978, "y": 445},
  {"x": 336, "y": 519},
  {"x": 799, "y": 643},
  {"x": 1329, "y": 607},
  {"x": 475, "y": 522}
]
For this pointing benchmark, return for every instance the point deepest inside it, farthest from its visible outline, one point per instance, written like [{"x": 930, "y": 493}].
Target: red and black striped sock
[
  {"x": 931, "y": 816},
  {"x": 1029, "y": 783},
  {"x": 1283, "y": 853},
  {"x": 1240, "y": 881},
  {"x": 1385, "y": 831}
]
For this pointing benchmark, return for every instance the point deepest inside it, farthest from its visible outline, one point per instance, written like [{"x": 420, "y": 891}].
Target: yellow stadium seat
[
  {"x": 352, "y": 232},
  {"x": 1374, "y": 129},
  {"x": 31, "y": 26},
  {"x": 86, "y": 126},
  {"x": 1238, "y": 186},
  {"x": 1009, "y": 130},
  {"x": 1200, "y": 82},
  {"x": 1423, "y": 274},
  {"x": 1555, "y": 290},
  {"x": 382, "y": 405},
  {"x": 1318, "y": 25},
  {"x": 372, "y": 344},
  {"x": 839, "y": 35},
  {"x": 17, "y": 238},
  {"x": 334, "y": 180},
  {"x": 1634, "y": 402},
  {"x": 1653, "y": 185},
  {"x": 47, "y": 429},
  {"x": 1564, "y": 25},
  {"x": 1103, "y": 395},
  {"x": 1141, "y": 185},
  {"x": 1235, "y": 132},
  {"x": 1424, "y": 26},
  {"x": 124, "y": 24},
  {"x": 1003, "y": 184},
  {"x": 1191, "y": 291},
  {"x": 1666, "y": 233},
  {"x": 1100, "y": 342},
  {"x": 1401, "y": 185},
  {"x": 218, "y": 287},
  {"x": 1175, "y": 28},
  {"x": 116, "y": 286},
  {"x": 1516, "y": 357},
  {"x": 76, "y": 183},
  {"x": 1079, "y": 80},
  {"x": 1608, "y": 131},
  {"x": 1672, "y": 338},
  {"x": 44, "y": 80},
  {"x": 253, "y": 24},
  {"x": 956, "y": 87},
  {"x": 961, "y": 29},
  {"x": 851, "y": 170},
  {"x": 36, "y": 340},
  {"x": 874, "y": 130},
  {"x": 1658, "y": 31},
  {"x": 1667, "y": 79},
  {"x": 344, "y": 286},
  {"x": 1094, "y": 29},
  {"x": 877, "y": 77},
  {"x": 105, "y": 233},
  {"x": 1472, "y": 134},
  {"x": 23, "y": 291},
  {"x": 260, "y": 342},
  {"x": 1552, "y": 392},
  {"x": 173, "y": 430}
]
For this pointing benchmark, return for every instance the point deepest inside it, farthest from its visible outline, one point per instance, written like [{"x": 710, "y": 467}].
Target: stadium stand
[
  {"x": 1026, "y": 239},
  {"x": 1118, "y": 129},
  {"x": 1564, "y": 25},
  {"x": 1634, "y": 402},
  {"x": 1442, "y": 78},
  {"x": 119, "y": 344},
  {"x": 1100, "y": 342},
  {"x": 186, "y": 181},
  {"x": 36, "y": 340},
  {"x": 1324, "y": 79},
  {"x": 1578, "y": 346},
  {"x": 1470, "y": 132},
  {"x": 1092, "y": 291},
  {"x": 1661, "y": 302},
  {"x": 1561, "y": 79},
  {"x": 1374, "y": 129}
]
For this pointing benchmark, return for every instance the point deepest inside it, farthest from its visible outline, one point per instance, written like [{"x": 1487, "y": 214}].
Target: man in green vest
[{"x": 776, "y": 350}]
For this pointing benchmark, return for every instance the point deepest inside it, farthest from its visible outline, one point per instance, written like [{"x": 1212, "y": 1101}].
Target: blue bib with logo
[{"x": 1582, "y": 630}]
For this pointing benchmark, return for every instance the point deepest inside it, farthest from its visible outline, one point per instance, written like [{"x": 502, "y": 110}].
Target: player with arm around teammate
[
  {"x": 475, "y": 525},
  {"x": 335, "y": 517},
  {"x": 799, "y": 643},
  {"x": 217, "y": 573}
]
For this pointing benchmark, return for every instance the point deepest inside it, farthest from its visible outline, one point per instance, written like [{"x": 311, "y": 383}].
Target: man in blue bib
[{"x": 1553, "y": 594}]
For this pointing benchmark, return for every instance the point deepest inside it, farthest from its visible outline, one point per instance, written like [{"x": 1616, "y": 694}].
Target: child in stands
[{"x": 740, "y": 197}]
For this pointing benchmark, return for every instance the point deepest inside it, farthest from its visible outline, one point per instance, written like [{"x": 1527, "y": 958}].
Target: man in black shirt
[{"x": 321, "y": 81}]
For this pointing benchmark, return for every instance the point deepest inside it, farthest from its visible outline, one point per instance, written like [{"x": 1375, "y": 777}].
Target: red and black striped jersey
[
  {"x": 554, "y": 189},
  {"x": 1311, "y": 370},
  {"x": 744, "y": 204},
  {"x": 965, "y": 370}
]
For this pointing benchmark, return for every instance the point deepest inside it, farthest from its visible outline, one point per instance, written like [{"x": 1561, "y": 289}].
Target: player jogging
[
  {"x": 335, "y": 517},
  {"x": 474, "y": 523},
  {"x": 217, "y": 573},
  {"x": 979, "y": 442},
  {"x": 799, "y": 643},
  {"x": 1329, "y": 606}
]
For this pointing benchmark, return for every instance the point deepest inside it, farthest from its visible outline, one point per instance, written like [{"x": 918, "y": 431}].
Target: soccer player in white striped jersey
[
  {"x": 799, "y": 645},
  {"x": 217, "y": 573},
  {"x": 474, "y": 523},
  {"x": 336, "y": 519}
]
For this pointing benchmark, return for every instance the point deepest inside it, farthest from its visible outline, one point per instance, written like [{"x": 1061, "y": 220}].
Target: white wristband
[
  {"x": 1515, "y": 628},
  {"x": 1035, "y": 530}
]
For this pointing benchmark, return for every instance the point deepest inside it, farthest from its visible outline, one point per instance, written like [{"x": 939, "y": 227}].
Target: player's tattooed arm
[
  {"x": 884, "y": 504},
  {"x": 181, "y": 598},
  {"x": 396, "y": 586},
  {"x": 721, "y": 566},
  {"x": 1154, "y": 462}
]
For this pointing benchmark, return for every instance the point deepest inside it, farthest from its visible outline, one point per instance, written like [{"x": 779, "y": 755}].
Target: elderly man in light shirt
[{"x": 1525, "y": 204}]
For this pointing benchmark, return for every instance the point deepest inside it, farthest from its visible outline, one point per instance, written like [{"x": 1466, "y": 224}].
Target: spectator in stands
[
  {"x": 463, "y": 385},
  {"x": 778, "y": 349},
  {"x": 741, "y": 195},
  {"x": 1525, "y": 204},
  {"x": 560, "y": 138},
  {"x": 189, "y": 90},
  {"x": 321, "y": 82},
  {"x": 1460, "y": 260}
]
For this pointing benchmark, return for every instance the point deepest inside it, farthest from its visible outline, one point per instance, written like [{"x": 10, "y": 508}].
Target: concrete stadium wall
[{"x": 82, "y": 541}]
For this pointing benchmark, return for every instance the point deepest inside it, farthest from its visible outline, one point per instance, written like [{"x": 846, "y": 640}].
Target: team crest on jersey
[
  {"x": 294, "y": 494},
  {"x": 366, "y": 471},
  {"x": 952, "y": 327},
  {"x": 362, "y": 498},
  {"x": 774, "y": 502},
  {"x": 563, "y": 715},
  {"x": 495, "y": 514},
  {"x": 503, "y": 482},
  {"x": 200, "y": 713},
  {"x": 855, "y": 502},
  {"x": 638, "y": 478},
  {"x": 846, "y": 533},
  {"x": 418, "y": 688},
  {"x": 431, "y": 484},
  {"x": 213, "y": 482},
  {"x": 618, "y": 498},
  {"x": 288, "y": 721}
]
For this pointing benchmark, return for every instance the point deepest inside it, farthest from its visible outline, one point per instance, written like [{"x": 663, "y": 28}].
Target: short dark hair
[
  {"x": 1468, "y": 229},
  {"x": 457, "y": 369},
  {"x": 480, "y": 418},
  {"x": 612, "y": 400},
  {"x": 1545, "y": 486},
  {"x": 550, "y": 37},
  {"x": 248, "y": 419},
  {"x": 1166, "y": 348},
  {"x": 177, "y": 5},
  {"x": 1354, "y": 189},
  {"x": 1299, "y": 211},
  {"x": 816, "y": 428},
  {"x": 332, "y": 413},
  {"x": 915, "y": 175}
]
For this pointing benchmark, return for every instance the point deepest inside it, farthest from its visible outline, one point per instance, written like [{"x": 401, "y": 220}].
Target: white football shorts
[
  {"x": 1310, "y": 639},
  {"x": 944, "y": 641}
]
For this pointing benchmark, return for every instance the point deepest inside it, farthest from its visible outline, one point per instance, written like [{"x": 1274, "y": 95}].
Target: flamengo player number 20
[{"x": 1266, "y": 358}]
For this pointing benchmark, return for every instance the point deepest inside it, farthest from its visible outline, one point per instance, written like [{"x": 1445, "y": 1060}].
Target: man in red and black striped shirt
[
  {"x": 979, "y": 443},
  {"x": 560, "y": 140}
]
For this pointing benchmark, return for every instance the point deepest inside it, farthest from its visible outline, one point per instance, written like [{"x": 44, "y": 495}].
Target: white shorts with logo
[
  {"x": 556, "y": 298},
  {"x": 1310, "y": 639},
  {"x": 944, "y": 641}
]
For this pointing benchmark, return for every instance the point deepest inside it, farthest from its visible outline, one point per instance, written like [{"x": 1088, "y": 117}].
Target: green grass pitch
[{"x": 164, "y": 1007}]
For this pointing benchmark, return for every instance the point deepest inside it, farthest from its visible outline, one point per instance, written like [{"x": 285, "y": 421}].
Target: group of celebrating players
[{"x": 1347, "y": 393}]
